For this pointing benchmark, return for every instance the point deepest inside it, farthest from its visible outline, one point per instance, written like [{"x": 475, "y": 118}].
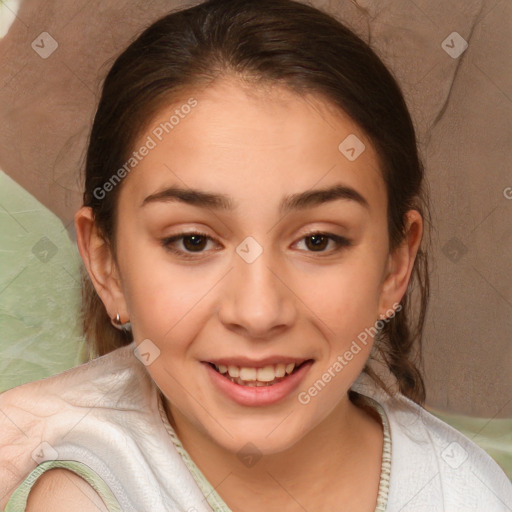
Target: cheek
[
  {"x": 346, "y": 297},
  {"x": 162, "y": 297}
]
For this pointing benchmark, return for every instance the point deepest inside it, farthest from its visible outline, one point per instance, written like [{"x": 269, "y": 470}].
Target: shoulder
[
  {"x": 76, "y": 386},
  {"x": 27, "y": 406},
  {"x": 60, "y": 490},
  {"x": 43, "y": 413},
  {"x": 462, "y": 476},
  {"x": 433, "y": 465}
]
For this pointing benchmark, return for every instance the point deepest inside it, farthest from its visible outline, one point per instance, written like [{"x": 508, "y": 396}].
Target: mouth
[{"x": 259, "y": 377}]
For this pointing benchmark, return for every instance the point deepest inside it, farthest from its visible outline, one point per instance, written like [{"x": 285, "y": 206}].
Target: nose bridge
[{"x": 258, "y": 302}]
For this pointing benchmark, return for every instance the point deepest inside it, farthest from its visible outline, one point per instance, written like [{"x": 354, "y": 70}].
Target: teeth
[
  {"x": 280, "y": 370},
  {"x": 233, "y": 371},
  {"x": 253, "y": 383},
  {"x": 248, "y": 373},
  {"x": 256, "y": 376},
  {"x": 289, "y": 368},
  {"x": 266, "y": 374}
]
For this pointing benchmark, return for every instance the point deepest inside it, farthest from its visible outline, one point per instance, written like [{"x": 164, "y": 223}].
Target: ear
[
  {"x": 100, "y": 264},
  {"x": 400, "y": 264}
]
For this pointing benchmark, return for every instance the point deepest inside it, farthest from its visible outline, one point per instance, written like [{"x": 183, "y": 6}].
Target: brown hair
[{"x": 264, "y": 41}]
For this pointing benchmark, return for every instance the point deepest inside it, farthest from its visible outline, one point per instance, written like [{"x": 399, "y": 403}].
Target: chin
[{"x": 273, "y": 437}]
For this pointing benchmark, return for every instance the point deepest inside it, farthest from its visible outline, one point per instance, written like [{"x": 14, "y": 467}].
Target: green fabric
[
  {"x": 40, "y": 290},
  {"x": 494, "y": 435},
  {"x": 212, "y": 497},
  {"x": 18, "y": 500}
]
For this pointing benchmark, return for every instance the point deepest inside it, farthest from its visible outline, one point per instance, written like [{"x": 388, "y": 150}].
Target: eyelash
[{"x": 340, "y": 241}]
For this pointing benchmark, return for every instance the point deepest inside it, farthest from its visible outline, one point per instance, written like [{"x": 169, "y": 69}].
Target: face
[{"x": 263, "y": 271}]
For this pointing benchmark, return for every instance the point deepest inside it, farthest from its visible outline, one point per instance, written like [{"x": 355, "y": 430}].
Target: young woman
[{"x": 252, "y": 232}]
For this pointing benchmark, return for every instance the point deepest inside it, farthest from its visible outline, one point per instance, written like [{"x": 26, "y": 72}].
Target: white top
[{"x": 104, "y": 420}]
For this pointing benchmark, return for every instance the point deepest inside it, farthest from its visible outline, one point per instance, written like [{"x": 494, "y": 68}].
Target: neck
[{"x": 342, "y": 451}]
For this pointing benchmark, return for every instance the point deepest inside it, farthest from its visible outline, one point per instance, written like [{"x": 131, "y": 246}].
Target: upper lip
[{"x": 260, "y": 363}]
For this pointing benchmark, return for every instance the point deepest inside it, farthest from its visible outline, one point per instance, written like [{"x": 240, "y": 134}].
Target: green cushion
[
  {"x": 39, "y": 290},
  {"x": 494, "y": 435}
]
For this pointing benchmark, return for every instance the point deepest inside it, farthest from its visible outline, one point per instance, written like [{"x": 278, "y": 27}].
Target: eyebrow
[{"x": 293, "y": 202}]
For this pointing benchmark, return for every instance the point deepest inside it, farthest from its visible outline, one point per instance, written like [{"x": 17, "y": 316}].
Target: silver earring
[{"x": 127, "y": 326}]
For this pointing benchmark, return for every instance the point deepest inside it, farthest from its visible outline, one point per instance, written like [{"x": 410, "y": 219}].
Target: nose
[{"x": 256, "y": 300}]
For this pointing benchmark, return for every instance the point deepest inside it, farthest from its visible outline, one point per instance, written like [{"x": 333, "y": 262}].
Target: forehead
[{"x": 248, "y": 141}]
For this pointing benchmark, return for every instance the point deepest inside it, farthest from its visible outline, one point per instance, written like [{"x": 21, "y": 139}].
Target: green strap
[{"x": 18, "y": 499}]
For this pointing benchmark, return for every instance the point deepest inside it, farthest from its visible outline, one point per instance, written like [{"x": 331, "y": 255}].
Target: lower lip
[{"x": 258, "y": 396}]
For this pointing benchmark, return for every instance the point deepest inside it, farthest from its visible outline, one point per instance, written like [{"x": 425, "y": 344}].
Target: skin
[
  {"x": 258, "y": 145},
  {"x": 60, "y": 490}
]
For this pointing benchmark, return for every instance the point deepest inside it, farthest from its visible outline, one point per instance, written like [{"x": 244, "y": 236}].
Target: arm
[{"x": 60, "y": 490}]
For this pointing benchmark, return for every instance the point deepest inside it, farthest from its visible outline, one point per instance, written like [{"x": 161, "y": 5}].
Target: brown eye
[
  {"x": 317, "y": 242},
  {"x": 192, "y": 243}
]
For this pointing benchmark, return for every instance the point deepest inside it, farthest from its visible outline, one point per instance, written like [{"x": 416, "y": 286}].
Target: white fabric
[
  {"x": 105, "y": 414},
  {"x": 8, "y": 11}
]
